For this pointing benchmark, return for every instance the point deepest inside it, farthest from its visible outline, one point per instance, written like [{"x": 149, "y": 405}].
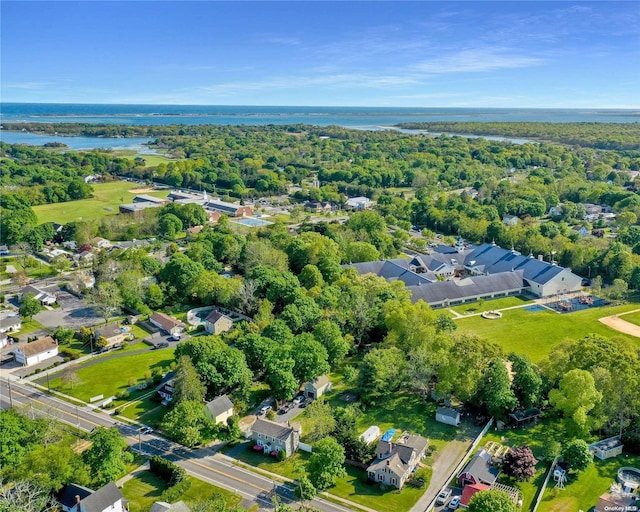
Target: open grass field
[
  {"x": 151, "y": 160},
  {"x": 36, "y": 270},
  {"x": 536, "y": 333},
  {"x": 583, "y": 490},
  {"x": 633, "y": 318},
  {"x": 111, "y": 376},
  {"x": 479, "y": 307},
  {"x": 107, "y": 197},
  {"x": 145, "y": 488}
]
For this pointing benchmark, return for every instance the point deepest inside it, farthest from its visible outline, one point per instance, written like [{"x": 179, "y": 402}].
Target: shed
[
  {"x": 448, "y": 416},
  {"x": 520, "y": 418},
  {"x": 317, "y": 387},
  {"x": 607, "y": 448}
]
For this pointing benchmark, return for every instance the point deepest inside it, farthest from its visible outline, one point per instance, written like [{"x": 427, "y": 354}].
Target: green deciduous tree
[
  {"x": 326, "y": 463},
  {"x": 527, "y": 382},
  {"x": 106, "y": 300},
  {"x": 29, "y": 305},
  {"x": 381, "y": 374},
  {"x": 491, "y": 501},
  {"x": 321, "y": 421},
  {"x": 186, "y": 422},
  {"x": 575, "y": 398},
  {"x": 494, "y": 390},
  {"x": 328, "y": 334},
  {"x": 577, "y": 455},
  {"x": 108, "y": 455}
]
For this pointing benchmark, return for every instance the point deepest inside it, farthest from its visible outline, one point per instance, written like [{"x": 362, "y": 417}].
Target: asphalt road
[{"x": 201, "y": 463}]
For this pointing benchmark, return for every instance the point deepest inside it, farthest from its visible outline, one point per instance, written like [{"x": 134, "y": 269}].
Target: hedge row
[{"x": 167, "y": 470}]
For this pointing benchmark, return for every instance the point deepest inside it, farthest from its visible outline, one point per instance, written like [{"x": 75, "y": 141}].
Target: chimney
[{"x": 540, "y": 257}]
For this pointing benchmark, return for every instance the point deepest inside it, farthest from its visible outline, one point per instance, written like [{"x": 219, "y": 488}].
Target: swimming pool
[{"x": 252, "y": 222}]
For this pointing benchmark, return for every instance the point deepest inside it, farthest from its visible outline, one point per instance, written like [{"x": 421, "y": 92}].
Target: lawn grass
[
  {"x": 633, "y": 318},
  {"x": 536, "y": 333},
  {"x": 582, "y": 490},
  {"x": 112, "y": 376},
  {"x": 105, "y": 201},
  {"x": 145, "y": 410},
  {"x": 480, "y": 306},
  {"x": 151, "y": 160},
  {"x": 146, "y": 488},
  {"x": 31, "y": 325},
  {"x": 36, "y": 270}
]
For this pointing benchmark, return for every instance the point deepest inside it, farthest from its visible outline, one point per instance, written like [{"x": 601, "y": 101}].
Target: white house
[
  {"x": 76, "y": 498},
  {"x": 45, "y": 298},
  {"x": 359, "y": 203},
  {"x": 317, "y": 387},
  {"x": 167, "y": 323},
  {"x": 37, "y": 351},
  {"x": 10, "y": 323}
]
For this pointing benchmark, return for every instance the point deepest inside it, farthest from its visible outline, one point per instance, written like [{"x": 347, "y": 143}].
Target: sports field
[
  {"x": 107, "y": 198},
  {"x": 536, "y": 333}
]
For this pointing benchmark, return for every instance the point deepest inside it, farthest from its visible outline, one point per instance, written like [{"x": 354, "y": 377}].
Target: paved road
[{"x": 200, "y": 463}]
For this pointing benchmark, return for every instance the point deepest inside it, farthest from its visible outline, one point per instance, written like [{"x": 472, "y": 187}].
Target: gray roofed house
[
  {"x": 163, "y": 506},
  {"x": 217, "y": 322},
  {"x": 317, "y": 387},
  {"x": 10, "y": 323},
  {"x": 219, "y": 409},
  {"x": 479, "y": 470},
  {"x": 44, "y": 297},
  {"x": 395, "y": 462},
  {"x": 106, "y": 499},
  {"x": 272, "y": 437}
]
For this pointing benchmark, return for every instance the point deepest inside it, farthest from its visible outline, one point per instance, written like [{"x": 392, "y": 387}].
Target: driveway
[{"x": 73, "y": 313}]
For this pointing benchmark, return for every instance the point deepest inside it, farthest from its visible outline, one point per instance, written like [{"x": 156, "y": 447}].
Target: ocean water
[
  {"x": 352, "y": 117},
  {"x": 364, "y": 118}
]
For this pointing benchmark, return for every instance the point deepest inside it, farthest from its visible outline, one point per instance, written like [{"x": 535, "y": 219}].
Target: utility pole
[
  {"x": 48, "y": 385},
  {"x": 77, "y": 417},
  {"x": 10, "y": 395},
  {"x": 140, "y": 440}
]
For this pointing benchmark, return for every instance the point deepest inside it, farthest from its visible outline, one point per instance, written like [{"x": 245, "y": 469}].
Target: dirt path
[
  {"x": 143, "y": 190},
  {"x": 620, "y": 325}
]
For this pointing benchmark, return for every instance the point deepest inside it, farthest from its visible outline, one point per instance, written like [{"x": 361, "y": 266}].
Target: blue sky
[{"x": 414, "y": 54}]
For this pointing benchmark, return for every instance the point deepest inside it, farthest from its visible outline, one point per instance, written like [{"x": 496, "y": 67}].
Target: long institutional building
[{"x": 490, "y": 271}]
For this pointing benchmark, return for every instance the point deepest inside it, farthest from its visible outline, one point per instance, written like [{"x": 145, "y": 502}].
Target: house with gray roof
[
  {"x": 479, "y": 470},
  {"x": 10, "y": 323},
  {"x": 395, "y": 462},
  {"x": 76, "y": 498},
  {"x": 219, "y": 409},
  {"x": 317, "y": 387},
  {"x": 217, "y": 322},
  {"x": 163, "y": 506},
  {"x": 271, "y": 437},
  {"x": 45, "y": 298}
]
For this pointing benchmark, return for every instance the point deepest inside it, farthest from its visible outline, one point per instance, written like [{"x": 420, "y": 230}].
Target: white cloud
[{"x": 476, "y": 60}]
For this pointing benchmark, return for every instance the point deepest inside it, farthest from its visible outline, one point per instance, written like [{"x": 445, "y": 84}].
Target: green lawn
[
  {"x": 145, "y": 488},
  {"x": 107, "y": 197},
  {"x": 146, "y": 410},
  {"x": 535, "y": 333},
  {"x": 111, "y": 376},
  {"x": 633, "y": 318},
  {"x": 582, "y": 490},
  {"x": 35, "y": 268},
  {"x": 353, "y": 487},
  {"x": 486, "y": 305},
  {"x": 31, "y": 325}
]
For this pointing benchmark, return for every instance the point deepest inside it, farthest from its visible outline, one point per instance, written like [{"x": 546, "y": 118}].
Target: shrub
[
  {"x": 174, "y": 492},
  {"x": 631, "y": 442},
  {"x": 167, "y": 470},
  {"x": 281, "y": 455}
]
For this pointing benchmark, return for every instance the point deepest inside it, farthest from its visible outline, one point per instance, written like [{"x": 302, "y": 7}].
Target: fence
[
  {"x": 304, "y": 447},
  {"x": 544, "y": 485},
  {"x": 462, "y": 462}
]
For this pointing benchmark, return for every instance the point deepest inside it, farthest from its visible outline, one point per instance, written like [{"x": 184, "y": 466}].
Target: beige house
[
  {"x": 272, "y": 437},
  {"x": 317, "y": 387},
  {"x": 395, "y": 462},
  {"x": 217, "y": 323},
  {"x": 112, "y": 333},
  {"x": 167, "y": 323},
  {"x": 37, "y": 351},
  {"x": 220, "y": 409}
]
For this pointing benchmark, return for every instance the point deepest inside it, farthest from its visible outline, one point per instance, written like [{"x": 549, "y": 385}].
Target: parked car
[
  {"x": 146, "y": 430},
  {"x": 163, "y": 344},
  {"x": 298, "y": 400},
  {"x": 285, "y": 408},
  {"x": 175, "y": 337},
  {"x": 442, "y": 497},
  {"x": 454, "y": 503},
  {"x": 306, "y": 402},
  {"x": 264, "y": 410}
]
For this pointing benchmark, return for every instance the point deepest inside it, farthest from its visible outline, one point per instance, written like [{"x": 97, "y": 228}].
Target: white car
[
  {"x": 442, "y": 497},
  {"x": 264, "y": 410},
  {"x": 453, "y": 504},
  {"x": 298, "y": 400}
]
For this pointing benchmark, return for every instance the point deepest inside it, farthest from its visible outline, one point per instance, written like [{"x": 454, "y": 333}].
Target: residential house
[
  {"x": 112, "y": 333},
  {"x": 163, "y": 506},
  {"x": 4, "y": 250},
  {"x": 4, "y": 340},
  {"x": 100, "y": 243},
  {"x": 37, "y": 351},
  {"x": 45, "y": 298},
  {"x": 607, "y": 448},
  {"x": 271, "y": 437},
  {"x": 318, "y": 206},
  {"x": 609, "y": 502},
  {"x": 219, "y": 409},
  {"x": 317, "y": 387},
  {"x": 76, "y": 498},
  {"x": 479, "y": 470},
  {"x": 217, "y": 322},
  {"x": 395, "y": 462},
  {"x": 195, "y": 230},
  {"x": 165, "y": 390},
  {"x": 510, "y": 220},
  {"x": 167, "y": 323},
  {"x": 10, "y": 323},
  {"x": 555, "y": 211},
  {"x": 581, "y": 230},
  {"x": 359, "y": 203},
  {"x": 84, "y": 258},
  {"x": 448, "y": 416}
]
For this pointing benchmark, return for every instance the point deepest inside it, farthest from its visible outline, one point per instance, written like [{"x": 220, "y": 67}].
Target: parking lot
[
  {"x": 73, "y": 312},
  {"x": 455, "y": 492}
]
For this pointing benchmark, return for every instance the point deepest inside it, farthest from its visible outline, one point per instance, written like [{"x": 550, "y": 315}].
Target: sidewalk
[{"x": 133, "y": 474}]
